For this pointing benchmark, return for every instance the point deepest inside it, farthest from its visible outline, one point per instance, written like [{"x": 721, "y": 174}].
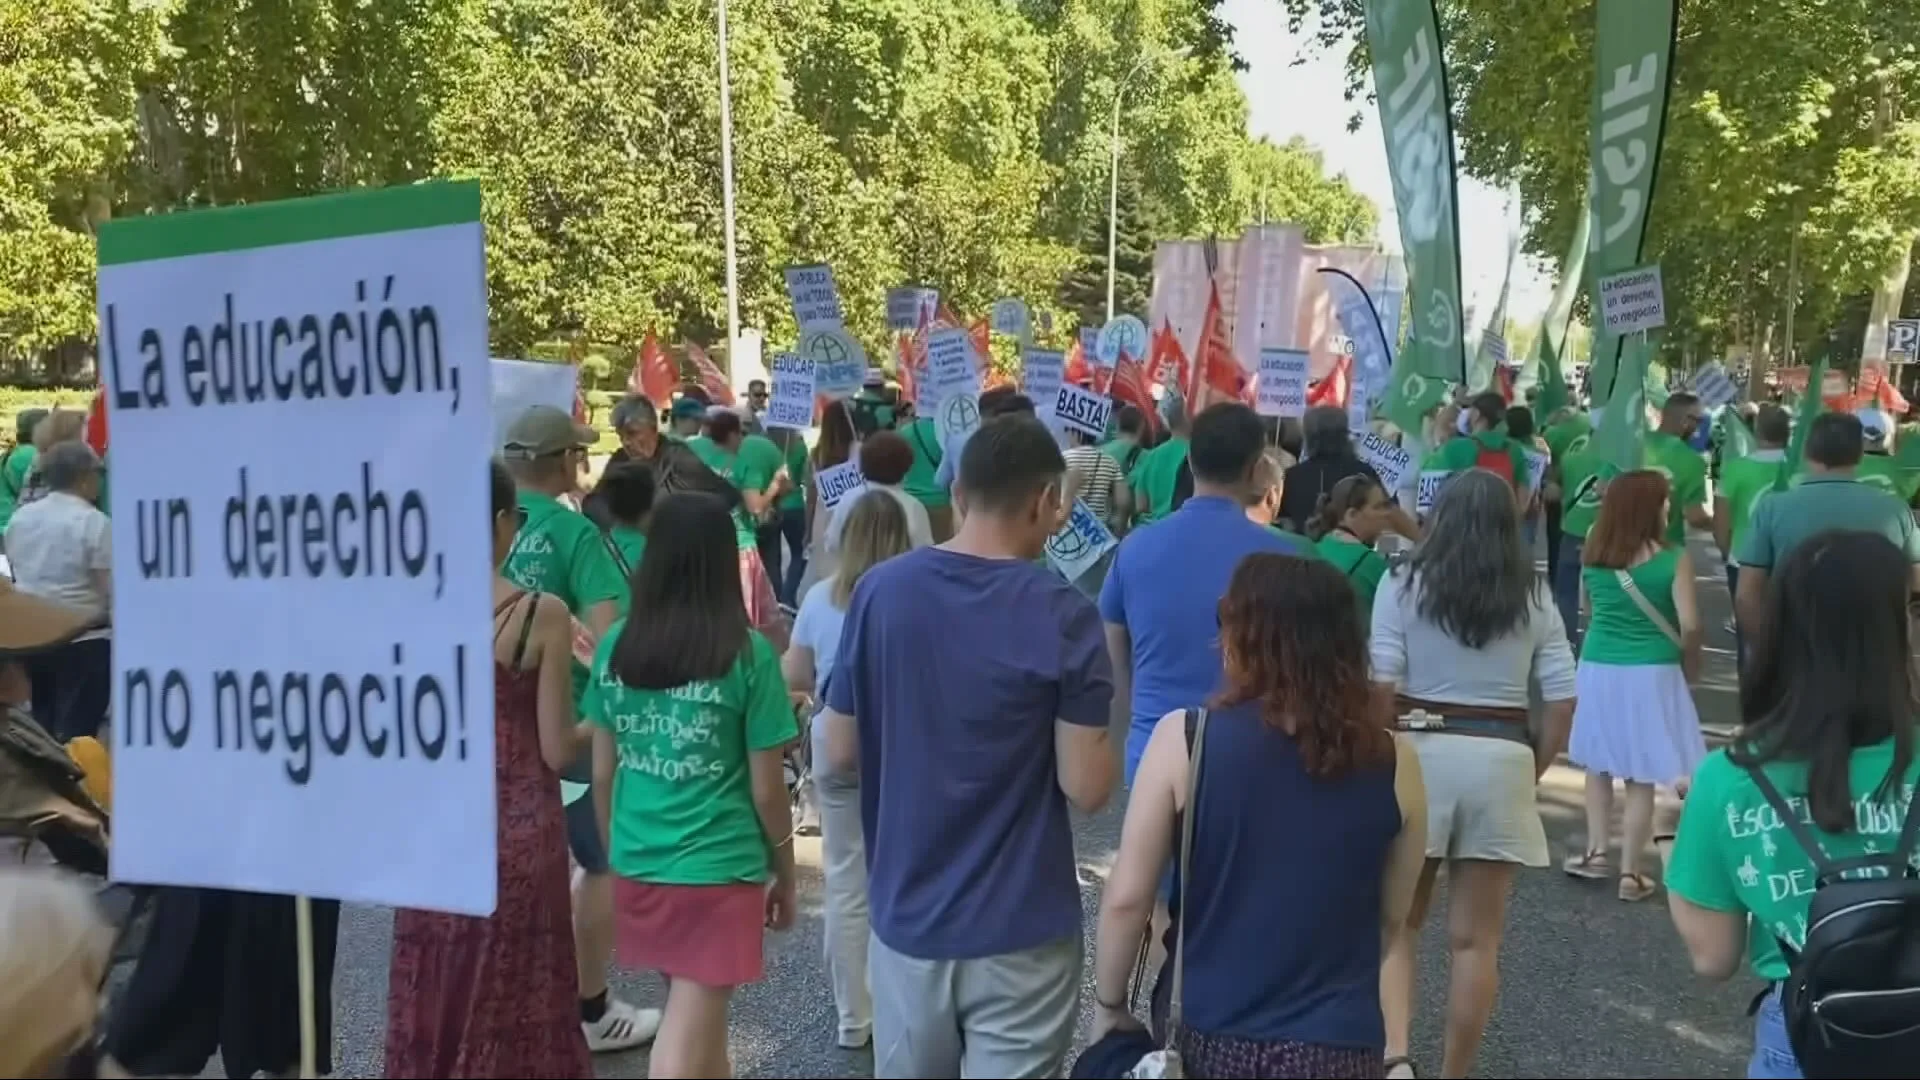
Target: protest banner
[
  {"x": 1122, "y": 333},
  {"x": 520, "y": 383},
  {"x": 816, "y": 301},
  {"x": 950, "y": 364},
  {"x": 838, "y": 482},
  {"x": 1011, "y": 317},
  {"x": 790, "y": 401},
  {"x": 1537, "y": 461},
  {"x": 1714, "y": 387},
  {"x": 839, "y": 363},
  {"x": 1430, "y": 481},
  {"x": 1389, "y": 461},
  {"x": 1041, "y": 373},
  {"x": 1632, "y": 301},
  {"x": 1080, "y": 543},
  {"x": 1282, "y": 386},
  {"x": 911, "y": 306},
  {"x": 1082, "y": 410},
  {"x": 327, "y": 726},
  {"x": 956, "y": 416}
]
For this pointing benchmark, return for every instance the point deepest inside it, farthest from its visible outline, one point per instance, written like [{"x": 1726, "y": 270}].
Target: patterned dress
[{"x": 498, "y": 997}]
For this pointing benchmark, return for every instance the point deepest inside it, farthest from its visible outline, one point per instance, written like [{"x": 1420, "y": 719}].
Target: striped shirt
[{"x": 1098, "y": 472}]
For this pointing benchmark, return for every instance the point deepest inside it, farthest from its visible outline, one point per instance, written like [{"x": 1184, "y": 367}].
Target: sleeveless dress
[{"x": 498, "y": 997}]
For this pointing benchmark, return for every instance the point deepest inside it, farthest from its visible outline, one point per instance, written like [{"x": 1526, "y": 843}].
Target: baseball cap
[
  {"x": 689, "y": 409},
  {"x": 542, "y": 430}
]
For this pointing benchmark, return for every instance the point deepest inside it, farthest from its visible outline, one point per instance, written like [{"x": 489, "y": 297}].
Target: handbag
[
  {"x": 1132, "y": 1052},
  {"x": 1646, "y": 607}
]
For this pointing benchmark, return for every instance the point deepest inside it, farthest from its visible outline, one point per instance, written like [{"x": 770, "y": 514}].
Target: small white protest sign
[
  {"x": 1090, "y": 344},
  {"x": 1430, "y": 481},
  {"x": 1632, "y": 301},
  {"x": 910, "y": 307},
  {"x": 1080, "y": 543},
  {"x": 1537, "y": 461},
  {"x": 950, "y": 364},
  {"x": 956, "y": 416},
  {"x": 1082, "y": 410},
  {"x": 790, "y": 404},
  {"x": 327, "y": 728},
  {"x": 1011, "y": 317},
  {"x": 1041, "y": 373},
  {"x": 839, "y": 363},
  {"x": 1123, "y": 333},
  {"x": 520, "y": 383},
  {"x": 816, "y": 301},
  {"x": 1389, "y": 461},
  {"x": 838, "y": 482},
  {"x": 1714, "y": 387},
  {"x": 1283, "y": 383}
]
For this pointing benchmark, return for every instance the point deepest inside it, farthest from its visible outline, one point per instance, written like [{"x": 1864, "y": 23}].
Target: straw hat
[
  {"x": 54, "y": 949},
  {"x": 29, "y": 624}
]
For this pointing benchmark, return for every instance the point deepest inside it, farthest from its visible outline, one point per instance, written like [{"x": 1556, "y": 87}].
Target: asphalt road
[{"x": 1592, "y": 987}]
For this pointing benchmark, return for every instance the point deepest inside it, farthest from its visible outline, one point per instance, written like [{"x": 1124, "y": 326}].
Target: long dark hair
[
  {"x": 1832, "y": 669},
  {"x": 837, "y": 437},
  {"x": 1476, "y": 581},
  {"x": 690, "y": 623},
  {"x": 1291, "y": 640}
]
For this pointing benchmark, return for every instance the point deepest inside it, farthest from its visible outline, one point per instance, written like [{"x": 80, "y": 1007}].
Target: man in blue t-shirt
[
  {"x": 1162, "y": 596},
  {"x": 971, "y": 694}
]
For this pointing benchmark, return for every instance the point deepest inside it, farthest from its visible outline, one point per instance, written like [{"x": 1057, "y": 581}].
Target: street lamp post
[
  {"x": 726, "y": 191},
  {"x": 1113, "y": 180}
]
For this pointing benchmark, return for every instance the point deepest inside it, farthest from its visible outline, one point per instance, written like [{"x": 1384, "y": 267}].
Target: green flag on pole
[
  {"x": 1410, "y": 80},
  {"x": 1554, "y": 394},
  {"x": 1558, "y": 319},
  {"x": 1411, "y": 396},
  {"x": 1803, "y": 414},
  {"x": 1621, "y": 438},
  {"x": 1736, "y": 439},
  {"x": 1633, "y": 49}
]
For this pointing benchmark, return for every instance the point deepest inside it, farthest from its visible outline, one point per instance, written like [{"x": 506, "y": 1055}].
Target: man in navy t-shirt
[
  {"x": 1162, "y": 596},
  {"x": 971, "y": 693}
]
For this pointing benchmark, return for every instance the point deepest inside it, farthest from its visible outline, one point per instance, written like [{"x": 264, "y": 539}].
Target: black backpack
[{"x": 1851, "y": 999}]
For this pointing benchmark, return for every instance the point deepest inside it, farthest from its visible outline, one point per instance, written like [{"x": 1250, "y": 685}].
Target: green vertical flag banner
[
  {"x": 1554, "y": 395},
  {"x": 1621, "y": 438},
  {"x": 1416, "y": 118},
  {"x": 1558, "y": 320},
  {"x": 1411, "y": 396},
  {"x": 1737, "y": 439},
  {"x": 1809, "y": 407},
  {"x": 1633, "y": 49}
]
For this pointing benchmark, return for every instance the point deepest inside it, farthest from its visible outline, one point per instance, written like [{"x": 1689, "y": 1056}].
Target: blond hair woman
[
  {"x": 874, "y": 531},
  {"x": 54, "y": 950}
]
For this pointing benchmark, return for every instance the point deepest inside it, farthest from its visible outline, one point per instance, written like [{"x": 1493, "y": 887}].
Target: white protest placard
[
  {"x": 950, "y": 364},
  {"x": 838, "y": 482},
  {"x": 1011, "y": 317},
  {"x": 1090, "y": 344},
  {"x": 1714, "y": 387},
  {"x": 1632, "y": 301},
  {"x": 839, "y": 363},
  {"x": 520, "y": 383},
  {"x": 1080, "y": 543},
  {"x": 1123, "y": 333},
  {"x": 1537, "y": 461},
  {"x": 1041, "y": 372},
  {"x": 326, "y": 728},
  {"x": 1283, "y": 383},
  {"x": 910, "y": 307},
  {"x": 790, "y": 403},
  {"x": 1389, "y": 461},
  {"x": 816, "y": 301},
  {"x": 956, "y": 416},
  {"x": 1430, "y": 481},
  {"x": 1903, "y": 339},
  {"x": 1082, "y": 410}
]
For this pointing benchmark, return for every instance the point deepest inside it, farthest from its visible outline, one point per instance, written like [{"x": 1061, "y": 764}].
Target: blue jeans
[
  {"x": 1772, "y": 1055},
  {"x": 1566, "y": 586}
]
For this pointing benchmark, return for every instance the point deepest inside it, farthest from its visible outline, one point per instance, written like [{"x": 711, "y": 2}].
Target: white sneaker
[
  {"x": 621, "y": 1027},
  {"x": 855, "y": 1038}
]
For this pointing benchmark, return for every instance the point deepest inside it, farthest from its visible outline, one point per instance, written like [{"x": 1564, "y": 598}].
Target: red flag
[
  {"x": 654, "y": 373},
  {"x": 1167, "y": 363},
  {"x": 906, "y": 363},
  {"x": 1130, "y": 387},
  {"x": 96, "y": 433},
  {"x": 1333, "y": 389},
  {"x": 1077, "y": 372},
  {"x": 710, "y": 378},
  {"x": 1216, "y": 370},
  {"x": 981, "y": 336}
]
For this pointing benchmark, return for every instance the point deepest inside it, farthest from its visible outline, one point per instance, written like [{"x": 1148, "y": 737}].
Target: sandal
[
  {"x": 1592, "y": 866},
  {"x": 1636, "y": 887},
  {"x": 1404, "y": 1063}
]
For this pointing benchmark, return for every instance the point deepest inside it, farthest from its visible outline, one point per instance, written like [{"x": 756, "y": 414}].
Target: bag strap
[
  {"x": 613, "y": 549},
  {"x": 1632, "y": 589},
  {"x": 1194, "y": 753}
]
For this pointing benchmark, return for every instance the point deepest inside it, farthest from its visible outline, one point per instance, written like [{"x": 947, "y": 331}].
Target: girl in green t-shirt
[
  {"x": 1635, "y": 719},
  {"x": 691, "y": 721},
  {"x": 1344, "y": 527},
  {"x": 627, "y": 492}
]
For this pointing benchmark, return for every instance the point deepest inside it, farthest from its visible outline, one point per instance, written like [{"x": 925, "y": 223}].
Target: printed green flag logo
[{"x": 1410, "y": 79}]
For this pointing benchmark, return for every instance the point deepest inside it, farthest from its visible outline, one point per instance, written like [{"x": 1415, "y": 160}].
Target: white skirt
[{"x": 1636, "y": 722}]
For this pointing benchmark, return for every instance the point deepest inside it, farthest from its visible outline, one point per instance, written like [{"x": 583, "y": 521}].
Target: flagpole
[{"x": 726, "y": 189}]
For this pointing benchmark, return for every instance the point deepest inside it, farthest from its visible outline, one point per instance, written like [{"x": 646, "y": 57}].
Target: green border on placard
[{"x": 293, "y": 221}]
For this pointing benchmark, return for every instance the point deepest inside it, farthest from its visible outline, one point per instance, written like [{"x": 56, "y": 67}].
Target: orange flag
[
  {"x": 710, "y": 378},
  {"x": 1216, "y": 371},
  {"x": 1167, "y": 363},
  {"x": 1130, "y": 387},
  {"x": 654, "y": 374}
]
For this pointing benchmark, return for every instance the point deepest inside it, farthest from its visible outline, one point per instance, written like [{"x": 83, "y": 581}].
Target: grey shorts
[{"x": 1007, "y": 1016}]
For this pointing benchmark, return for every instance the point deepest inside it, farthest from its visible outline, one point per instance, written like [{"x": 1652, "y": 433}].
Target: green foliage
[
  {"x": 1783, "y": 117},
  {"x": 965, "y": 144}
]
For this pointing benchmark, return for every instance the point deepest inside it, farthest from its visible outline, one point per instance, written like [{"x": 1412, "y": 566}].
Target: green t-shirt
[
  {"x": 13, "y": 480},
  {"x": 1620, "y": 633},
  {"x": 1733, "y": 853},
  {"x": 750, "y": 468},
  {"x": 1463, "y": 452},
  {"x": 1686, "y": 471},
  {"x": 1307, "y": 550},
  {"x": 683, "y": 810},
  {"x": 1568, "y": 436},
  {"x": 560, "y": 551},
  {"x": 1580, "y": 491},
  {"x": 1743, "y": 481},
  {"x": 628, "y": 544},
  {"x": 1154, "y": 477},
  {"x": 801, "y": 470},
  {"x": 1784, "y": 519},
  {"x": 921, "y": 480},
  {"x": 1122, "y": 449},
  {"x": 1881, "y": 471},
  {"x": 1363, "y": 566}
]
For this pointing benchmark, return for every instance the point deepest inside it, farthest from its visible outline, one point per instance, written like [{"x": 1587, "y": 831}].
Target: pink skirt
[
  {"x": 710, "y": 934},
  {"x": 763, "y": 607}
]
